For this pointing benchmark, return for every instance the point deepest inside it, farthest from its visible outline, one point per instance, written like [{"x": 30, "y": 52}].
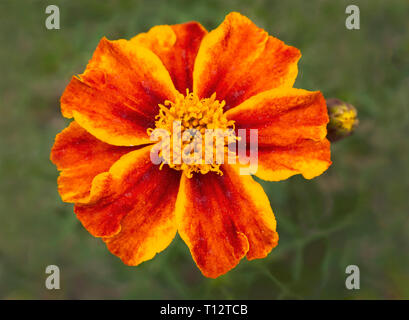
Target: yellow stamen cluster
[{"x": 188, "y": 118}]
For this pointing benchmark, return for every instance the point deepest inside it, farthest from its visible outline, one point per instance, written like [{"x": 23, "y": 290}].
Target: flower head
[
  {"x": 234, "y": 77},
  {"x": 194, "y": 116}
]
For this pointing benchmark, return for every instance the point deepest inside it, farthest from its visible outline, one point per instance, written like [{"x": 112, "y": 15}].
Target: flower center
[{"x": 199, "y": 134}]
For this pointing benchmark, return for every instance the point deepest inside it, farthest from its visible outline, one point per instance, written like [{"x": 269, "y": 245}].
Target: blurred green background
[{"x": 355, "y": 213}]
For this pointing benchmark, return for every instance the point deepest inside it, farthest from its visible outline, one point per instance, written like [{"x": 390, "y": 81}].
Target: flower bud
[{"x": 343, "y": 119}]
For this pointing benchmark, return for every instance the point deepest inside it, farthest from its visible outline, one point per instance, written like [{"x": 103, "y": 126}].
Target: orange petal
[
  {"x": 133, "y": 207},
  {"x": 223, "y": 218},
  {"x": 80, "y": 157},
  {"x": 238, "y": 60},
  {"x": 283, "y": 116},
  {"x": 117, "y": 97},
  {"x": 177, "y": 47},
  {"x": 275, "y": 67},
  {"x": 308, "y": 157}
]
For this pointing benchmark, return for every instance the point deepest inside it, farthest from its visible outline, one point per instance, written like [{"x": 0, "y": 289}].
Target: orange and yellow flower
[{"x": 137, "y": 207}]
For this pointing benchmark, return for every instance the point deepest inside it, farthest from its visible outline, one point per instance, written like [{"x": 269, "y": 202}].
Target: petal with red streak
[
  {"x": 275, "y": 67},
  {"x": 307, "y": 157},
  {"x": 283, "y": 116},
  {"x": 177, "y": 47},
  {"x": 133, "y": 207},
  {"x": 81, "y": 157},
  {"x": 117, "y": 97},
  {"x": 223, "y": 218},
  {"x": 291, "y": 126},
  {"x": 238, "y": 60}
]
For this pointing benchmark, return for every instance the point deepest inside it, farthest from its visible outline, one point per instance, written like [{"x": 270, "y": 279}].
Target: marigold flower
[{"x": 234, "y": 76}]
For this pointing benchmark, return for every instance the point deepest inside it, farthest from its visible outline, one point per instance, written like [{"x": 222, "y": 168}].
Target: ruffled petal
[
  {"x": 283, "y": 116},
  {"x": 133, "y": 207},
  {"x": 117, "y": 97},
  {"x": 307, "y": 157},
  {"x": 177, "y": 47},
  {"x": 275, "y": 67},
  {"x": 223, "y": 218},
  {"x": 81, "y": 157},
  {"x": 291, "y": 126},
  {"x": 238, "y": 60}
]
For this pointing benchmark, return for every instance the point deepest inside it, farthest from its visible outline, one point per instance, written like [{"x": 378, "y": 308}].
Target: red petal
[
  {"x": 81, "y": 157},
  {"x": 283, "y": 116},
  {"x": 177, "y": 47},
  {"x": 223, "y": 218},
  {"x": 238, "y": 60},
  {"x": 117, "y": 97},
  {"x": 133, "y": 207}
]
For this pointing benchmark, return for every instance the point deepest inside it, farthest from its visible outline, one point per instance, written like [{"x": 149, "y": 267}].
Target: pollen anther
[{"x": 199, "y": 134}]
